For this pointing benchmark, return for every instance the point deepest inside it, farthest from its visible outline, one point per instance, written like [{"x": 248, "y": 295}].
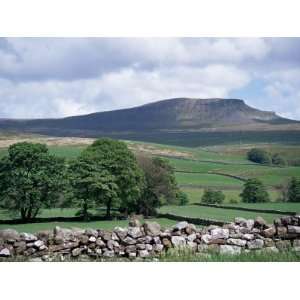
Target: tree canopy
[
  {"x": 254, "y": 191},
  {"x": 212, "y": 197},
  {"x": 30, "y": 179}
]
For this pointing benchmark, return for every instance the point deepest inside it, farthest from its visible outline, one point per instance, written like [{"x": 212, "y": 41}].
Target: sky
[{"x": 58, "y": 77}]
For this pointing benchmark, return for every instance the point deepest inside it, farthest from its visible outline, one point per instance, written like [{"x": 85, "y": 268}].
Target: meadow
[{"x": 223, "y": 167}]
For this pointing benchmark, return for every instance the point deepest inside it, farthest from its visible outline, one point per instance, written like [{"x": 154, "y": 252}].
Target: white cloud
[{"x": 126, "y": 88}]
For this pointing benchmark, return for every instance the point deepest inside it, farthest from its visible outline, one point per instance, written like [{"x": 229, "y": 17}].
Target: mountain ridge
[{"x": 181, "y": 115}]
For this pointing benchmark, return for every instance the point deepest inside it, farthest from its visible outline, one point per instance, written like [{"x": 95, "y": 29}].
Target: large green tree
[
  {"x": 30, "y": 179},
  {"x": 254, "y": 191},
  {"x": 92, "y": 186},
  {"x": 293, "y": 194},
  {"x": 212, "y": 197},
  {"x": 160, "y": 185},
  {"x": 117, "y": 160},
  {"x": 259, "y": 156}
]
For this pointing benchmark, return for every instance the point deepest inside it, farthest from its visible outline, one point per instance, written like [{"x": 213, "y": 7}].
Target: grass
[
  {"x": 207, "y": 180},
  {"x": 195, "y": 195},
  {"x": 228, "y": 215},
  {"x": 189, "y": 256},
  {"x": 34, "y": 227},
  {"x": 253, "y": 256}
]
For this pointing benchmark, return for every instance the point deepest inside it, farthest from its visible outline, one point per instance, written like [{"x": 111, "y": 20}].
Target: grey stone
[
  {"x": 4, "y": 252},
  {"x": 134, "y": 222},
  {"x": 190, "y": 229},
  {"x": 152, "y": 228},
  {"x": 98, "y": 251},
  {"x": 112, "y": 244},
  {"x": 108, "y": 253},
  {"x": 38, "y": 243},
  {"x": 91, "y": 232},
  {"x": 148, "y": 239},
  {"x": 230, "y": 250},
  {"x": 129, "y": 241},
  {"x": 206, "y": 238},
  {"x": 269, "y": 232},
  {"x": 248, "y": 236},
  {"x": 92, "y": 239},
  {"x": 178, "y": 241},
  {"x": 181, "y": 225},
  {"x": 76, "y": 252},
  {"x": 237, "y": 242},
  {"x": 9, "y": 235},
  {"x": 255, "y": 244},
  {"x": 219, "y": 233},
  {"x": 28, "y": 237},
  {"x": 143, "y": 253},
  {"x": 239, "y": 220},
  {"x": 149, "y": 247},
  {"x": 130, "y": 248},
  {"x": 192, "y": 237},
  {"x": 100, "y": 243},
  {"x": 132, "y": 254},
  {"x": 141, "y": 246},
  {"x": 114, "y": 236},
  {"x": 260, "y": 222},
  {"x": 84, "y": 239},
  {"x": 156, "y": 240},
  {"x": 293, "y": 229},
  {"x": 158, "y": 247},
  {"x": 135, "y": 232}
]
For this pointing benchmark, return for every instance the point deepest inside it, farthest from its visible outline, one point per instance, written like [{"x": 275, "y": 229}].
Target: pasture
[{"x": 222, "y": 167}]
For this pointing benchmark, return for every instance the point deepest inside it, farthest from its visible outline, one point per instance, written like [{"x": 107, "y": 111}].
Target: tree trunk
[
  {"x": 85, "y": 211},
  {"x": 108, "y": 209}
]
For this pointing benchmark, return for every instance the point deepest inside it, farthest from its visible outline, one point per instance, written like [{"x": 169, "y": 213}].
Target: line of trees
[
  {"x": 262, "y": 156},
  {"x": 254, "y": 191},
  {"x": 106, "y": 174}
]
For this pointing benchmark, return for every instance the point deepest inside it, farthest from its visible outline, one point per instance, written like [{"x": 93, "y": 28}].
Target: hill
[{"x": 166, "y": 120}]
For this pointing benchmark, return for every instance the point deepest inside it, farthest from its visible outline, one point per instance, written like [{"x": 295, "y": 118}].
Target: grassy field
[
  {"x": 194, "y": 173},
  {"x": 34, "y": 227},
  {"x": 227, "y": 215},
  {"x": 195, "y": 195}
]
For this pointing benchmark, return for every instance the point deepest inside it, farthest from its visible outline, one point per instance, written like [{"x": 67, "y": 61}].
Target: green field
[
  {"x": 202, "y": 167},
  {"x": 195, "y": 195},
  {"x": 34, "y": 227},
  {"x": 227, "y": 215}
]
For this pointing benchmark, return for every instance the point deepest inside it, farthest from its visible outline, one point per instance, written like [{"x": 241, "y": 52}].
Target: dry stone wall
[{"x": 150, "y": 240}]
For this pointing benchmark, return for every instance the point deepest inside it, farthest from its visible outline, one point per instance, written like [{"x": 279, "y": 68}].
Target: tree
[
  {"x": 118, "y": 161},
  {"x": 212, "y": 197},
  {"x": 182, "y": 197},
  {"x": 92, "y": 186},
  {"x": 293, "y": 193},
  {"x": 259, "y": 156},
  {"x": 254, "y": 191},
  {"x": 30, "y": 179},
  {"x": 279, "y": 160},
  {"x": 160, "y": 185}
]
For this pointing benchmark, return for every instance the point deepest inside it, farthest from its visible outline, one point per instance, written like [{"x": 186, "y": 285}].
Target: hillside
[{"x": 154, "y": 120}]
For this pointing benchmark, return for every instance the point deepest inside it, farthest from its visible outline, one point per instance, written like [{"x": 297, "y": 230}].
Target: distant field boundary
[
  {"x": 196, "y": 221},
  {"x": 268, "y": 211},
  {"x": 59, "y": 219}
]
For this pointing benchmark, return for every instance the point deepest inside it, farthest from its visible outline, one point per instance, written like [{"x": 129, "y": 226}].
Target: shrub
[
  {"x": 259, "y": 156},
  {"x": 279, "y": 160},
  {"x": 293, "y": 194},
  {"x": 233, "y": 201},
  {"x": 212, "y": 197},
  {"x": 182, "y": 198},
  {"x": 254, "y": 191}
]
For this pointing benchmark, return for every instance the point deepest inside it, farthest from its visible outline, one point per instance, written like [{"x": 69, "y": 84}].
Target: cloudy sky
[{"x": 56, "y": 77}]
